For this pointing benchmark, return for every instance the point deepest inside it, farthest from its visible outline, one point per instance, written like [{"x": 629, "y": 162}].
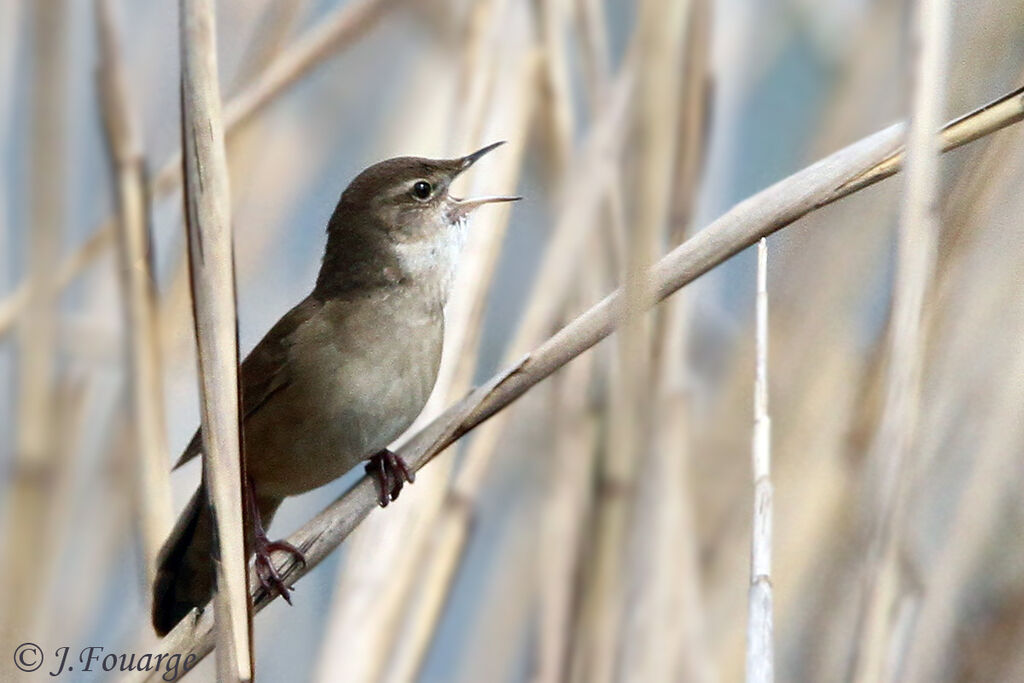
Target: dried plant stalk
[
  {"x": 894, "y": 450},
  {"x": 144, "y": 369},
  {"x": 565, "y": 507},
  {"x": 760, "y": 621},
  {"x": 208, "y": 211},
  {"x": 674, "y": 638},
  {"x": 28, "y": 554},
  {"x": 646, "y": 605},
  {"x": 551, "y": 287},
  {"x": 10, "y": 18},
  {"x": 551, "y": 19},
  {"x": 766, "y": 212}
]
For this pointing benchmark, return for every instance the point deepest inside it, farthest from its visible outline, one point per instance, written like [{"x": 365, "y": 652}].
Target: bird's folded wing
[{"x": 265, "y": 371}]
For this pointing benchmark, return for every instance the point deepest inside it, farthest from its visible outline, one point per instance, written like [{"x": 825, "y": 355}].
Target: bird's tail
[{"x": 184, "y": 574}]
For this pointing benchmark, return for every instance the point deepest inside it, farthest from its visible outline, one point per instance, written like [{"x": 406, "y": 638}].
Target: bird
[{"x": 343, "y": 373}]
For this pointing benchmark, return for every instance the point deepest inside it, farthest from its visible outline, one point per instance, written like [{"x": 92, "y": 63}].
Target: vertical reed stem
[
  {"x": 208, "y": 213},
  {"x": 760, "y": 645}
]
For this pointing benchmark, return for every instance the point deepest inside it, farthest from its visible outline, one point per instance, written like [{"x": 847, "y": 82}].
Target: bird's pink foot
[
  {"x": 270, "y": 578},
  {"x": 391, "y": 473}
]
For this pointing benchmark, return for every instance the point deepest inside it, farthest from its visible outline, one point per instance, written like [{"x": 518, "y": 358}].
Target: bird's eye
[{"x": 421, "y": 190}]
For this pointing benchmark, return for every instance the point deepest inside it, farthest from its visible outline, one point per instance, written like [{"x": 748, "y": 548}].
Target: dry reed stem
[
  {"x": 603, "y": 619},
  {"x": 28, "y": 555},
  {"x": 334, "y": 33},
  {"x": 619, "y": 609},
  {"x": 760, "y": 639},
  {"x": 268, "y": 39},
  {"x": 569, "y": 497},
  {"x": 954, "y": 574},
  {"x": 372, "y": 580},
  {"x": 770, "y": 210},
  {"x": 113, "y": 479},
  {"x": 563, "y": 516},
  {"x": 649, "y": 602},
  {"x": 977, "y": 514},
  {"x": 674, "y": 636},
  {"x": 208, "y": 211},
  {"x": 75, "y": 395},
  {"x": 462, "y": 383},
  {"x": 387, "y": 553},
  {"x": 410, "y": 641},
  {"x": 551, "y": 16},
  {"x": 550, "y": 288},
  {"x": 501, "y": 618},
  {"x": 10, "y": 18},
  {"x": 895, "y": 449},
  {"x": 593, "y": 36},
  {"x": 138, "y": 292},
  {"x": 476, "y": 80},
  {"x": 813, "y": 453}
]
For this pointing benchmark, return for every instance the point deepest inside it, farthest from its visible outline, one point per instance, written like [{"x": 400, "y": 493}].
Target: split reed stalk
[{"x": 208, "y": 212}]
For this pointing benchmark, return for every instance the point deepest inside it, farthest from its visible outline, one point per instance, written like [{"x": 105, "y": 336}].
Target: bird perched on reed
[{"x": 344, "y": 372}]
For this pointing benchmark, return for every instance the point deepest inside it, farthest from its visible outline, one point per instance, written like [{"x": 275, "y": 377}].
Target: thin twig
[
  {"x": 208, "y": 211},
  {"x": 144, "y": 367},
  {"x": 758, "y": 216}
]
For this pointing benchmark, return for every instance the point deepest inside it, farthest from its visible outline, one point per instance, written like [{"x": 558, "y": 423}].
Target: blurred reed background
[{"x": 600, "y": 528}]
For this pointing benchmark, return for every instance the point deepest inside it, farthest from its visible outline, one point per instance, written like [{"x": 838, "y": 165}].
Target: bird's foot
[
  {"x": 267, "y": 573},
  {"x": 391, "y": 473}
]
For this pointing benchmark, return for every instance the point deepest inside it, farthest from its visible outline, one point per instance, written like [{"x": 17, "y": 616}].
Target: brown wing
[{"x": 264, "y": 372}]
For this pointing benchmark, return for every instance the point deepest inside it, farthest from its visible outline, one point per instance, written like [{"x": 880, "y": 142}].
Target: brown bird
[{"x": 344, "y": 372}]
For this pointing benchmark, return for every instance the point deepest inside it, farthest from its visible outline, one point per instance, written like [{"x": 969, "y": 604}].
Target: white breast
[{"x": 434, "y": 260}]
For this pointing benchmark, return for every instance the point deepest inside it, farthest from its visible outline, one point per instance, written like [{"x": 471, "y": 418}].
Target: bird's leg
[
  {"x": 391, "y": 473},
  {"x": 268, "y": 575}
]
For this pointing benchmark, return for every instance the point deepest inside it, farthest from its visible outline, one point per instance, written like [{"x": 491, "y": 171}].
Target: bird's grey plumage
[{"x": 348, "y": 369}]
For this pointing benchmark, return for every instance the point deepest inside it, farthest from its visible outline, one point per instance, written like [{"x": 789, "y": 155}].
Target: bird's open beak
[
  {"x": 471, "y": 159},
  {"x": 462, "y": 207}
]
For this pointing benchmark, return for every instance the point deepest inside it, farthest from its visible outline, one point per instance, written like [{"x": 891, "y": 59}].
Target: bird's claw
[
  {"x": 270, "y": 578},
  {"x": 391, "y": 473}
]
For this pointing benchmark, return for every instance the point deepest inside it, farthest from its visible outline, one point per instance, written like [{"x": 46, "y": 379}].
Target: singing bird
[{"x": 344, "y": 372}]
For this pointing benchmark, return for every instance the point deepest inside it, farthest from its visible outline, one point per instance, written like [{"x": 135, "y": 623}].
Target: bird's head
[
  {"x": 409, "y": 196},
  {"x": 398, "y": 222}
]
